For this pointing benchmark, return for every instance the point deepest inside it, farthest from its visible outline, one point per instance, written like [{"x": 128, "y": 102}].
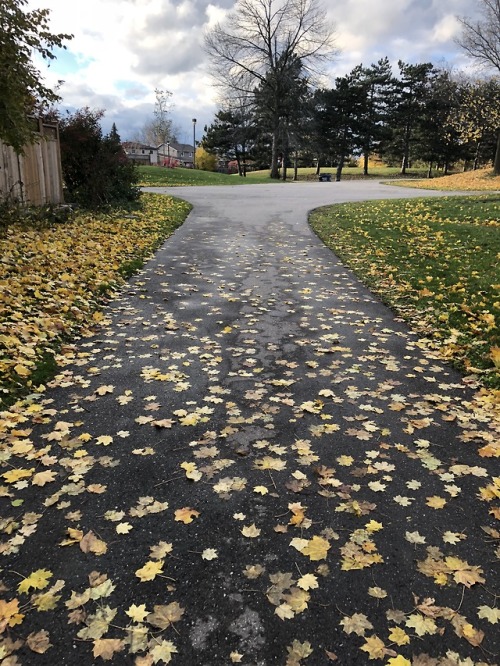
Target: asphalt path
[{"x": 254, "y": 462}]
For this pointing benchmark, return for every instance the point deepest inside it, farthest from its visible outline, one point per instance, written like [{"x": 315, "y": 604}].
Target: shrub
[{"x": 96, "y": 172}]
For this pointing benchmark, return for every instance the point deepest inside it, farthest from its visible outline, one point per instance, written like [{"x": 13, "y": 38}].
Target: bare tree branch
[
  {"x": 481, "y": 39},
  {"x": 261, "y": 39}
]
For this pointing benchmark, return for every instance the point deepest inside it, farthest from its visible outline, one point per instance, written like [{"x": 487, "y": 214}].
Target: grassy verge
[
  {"x": 54, "y": 280},
  {"x": 480, "y": 180},
  {"x": 436, "y": 262},
  {"x": 154, "y": 176}
]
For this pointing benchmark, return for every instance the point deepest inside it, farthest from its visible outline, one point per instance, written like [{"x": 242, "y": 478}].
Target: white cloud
[{"x": 123, "y": 49}]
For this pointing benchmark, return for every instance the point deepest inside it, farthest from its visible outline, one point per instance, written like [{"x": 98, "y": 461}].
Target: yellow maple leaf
[
  {"x": 316, "y": 548},
  {"x": 123, "y": 528},
  {"x": 422, "y": 625},
  {"x": 102, "y": 390},
  {"x": 9, "y": 614},
  {"x": 105, "y": 440},
  {"x": 192, "y": 471},
  {"x": 251, "y": 531},
  {"x": 495, "y": 356},
  {"x": 137, "y": 613},
  {"x": 14, "y": 475},
  {"x": 374, "y": 526},
  {"x": 163, "y": 651},
  {"x": 186, "y": 515},
  {"x": 149, "y": 571},
  {"x": 298, "y": 513},
  {"x": 399, "y": 636},
  {"x": 308, "y": 582},
  {"x": 284, "y": 612},
  {"x": 374, "y": 647},
  {"x": 436, "y": 502},
  {"x": 398, "y": 661},
  {"x": 38, "y": 580}
]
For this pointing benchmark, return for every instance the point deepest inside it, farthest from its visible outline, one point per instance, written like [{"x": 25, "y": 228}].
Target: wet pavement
[{"x": 253, "y": 462}]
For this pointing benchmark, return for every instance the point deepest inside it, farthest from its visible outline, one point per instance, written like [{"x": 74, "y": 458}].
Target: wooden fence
[{"x": 35, "y": 177}]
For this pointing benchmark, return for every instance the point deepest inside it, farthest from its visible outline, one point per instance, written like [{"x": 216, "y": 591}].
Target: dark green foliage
[
  {"x": 96, "y": 172},
  {"x": 23, "y": 33}
]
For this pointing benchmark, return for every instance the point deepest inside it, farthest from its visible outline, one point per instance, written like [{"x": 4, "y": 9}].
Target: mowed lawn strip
[
  {"x": 55, "y": 278},
  {"x": 155, "y": 176},
  {"x": 435, "y": 262}
]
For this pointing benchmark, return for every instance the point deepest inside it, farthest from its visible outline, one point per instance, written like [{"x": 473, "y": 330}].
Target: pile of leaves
[
  {"x": 54, "y": 280},
  {"x": 469, "y": 181},
  {"x": 436, "y": 262}
]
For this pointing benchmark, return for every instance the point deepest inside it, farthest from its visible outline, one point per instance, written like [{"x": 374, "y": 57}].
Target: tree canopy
[
  {"x": 481, "y": 41},
  {"x": 261, "y": 42},
  {"x": 22, "y": 91}
]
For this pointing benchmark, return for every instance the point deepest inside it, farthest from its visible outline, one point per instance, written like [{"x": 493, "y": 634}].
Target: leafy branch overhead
[{"x": 22, "y": 90}]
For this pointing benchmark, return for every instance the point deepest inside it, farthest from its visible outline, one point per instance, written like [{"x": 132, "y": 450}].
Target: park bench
[{"x": 325, "y": 177}]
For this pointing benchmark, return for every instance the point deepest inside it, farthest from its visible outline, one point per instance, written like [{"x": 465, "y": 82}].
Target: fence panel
[{"x": 36, "y": 176}]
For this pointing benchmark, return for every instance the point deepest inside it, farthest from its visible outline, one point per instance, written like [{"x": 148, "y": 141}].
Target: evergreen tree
[
  {"x": 412, "y": 94},
  {"x": 380, "y": 97}
]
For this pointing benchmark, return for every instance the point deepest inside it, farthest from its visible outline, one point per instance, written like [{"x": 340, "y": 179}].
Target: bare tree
[
  {"x": 481, "y": 41},
  {"x": 159, "y": 129},
  {"x": 260, "y": 40}
]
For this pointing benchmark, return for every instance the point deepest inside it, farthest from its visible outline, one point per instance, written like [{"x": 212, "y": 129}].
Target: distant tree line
[{"x": 421, "y": 114}]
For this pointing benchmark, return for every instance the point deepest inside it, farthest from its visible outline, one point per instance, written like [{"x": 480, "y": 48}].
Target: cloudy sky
[{"x": 123, "y": 49}]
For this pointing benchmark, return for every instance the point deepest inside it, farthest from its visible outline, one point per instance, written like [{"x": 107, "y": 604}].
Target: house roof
[
  {"x": 179, "y": 147},
  {"x": 127, "y": 145}
]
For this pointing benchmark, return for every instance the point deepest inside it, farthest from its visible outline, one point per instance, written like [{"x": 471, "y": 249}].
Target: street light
[{"x": 194, "y": 143}]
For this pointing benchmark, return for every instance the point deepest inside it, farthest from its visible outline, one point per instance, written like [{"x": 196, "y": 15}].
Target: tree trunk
[
  {"x": 476, "y": 157},
  {"x": 340, "y": 166},
  {"x": 295, "y": 167},
  {"x": 275, "y": 172},
  {"x": 496, "y": 166},
  {"x": 285, "y": 150},
  {"x": 366, "y": 158},
  {"x": 429, "y": 170},
  {"x": 238, "y": 161},
  {"x": 403, "y": 166}
]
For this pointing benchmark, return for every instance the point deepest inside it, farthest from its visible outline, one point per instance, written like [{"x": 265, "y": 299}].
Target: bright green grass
[
  {"x": 436, "y": 262},
  {"x": 154, "y": 176}
]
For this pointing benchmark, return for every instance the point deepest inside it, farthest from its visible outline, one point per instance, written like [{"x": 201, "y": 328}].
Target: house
[
  {"x": 140, "y": 153},
  {"x": 176, "y": 154}
]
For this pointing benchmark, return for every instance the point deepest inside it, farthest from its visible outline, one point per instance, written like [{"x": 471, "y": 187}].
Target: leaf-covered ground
[
  {"x": 54, "y": 279},
  {"x": 481, "y": 179},
  {"x": 437, "y": 262},
  {"x": 252, "y": 462}
]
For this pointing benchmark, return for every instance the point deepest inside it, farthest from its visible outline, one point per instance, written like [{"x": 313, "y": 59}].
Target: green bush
[{"x": 96, "y": 172}]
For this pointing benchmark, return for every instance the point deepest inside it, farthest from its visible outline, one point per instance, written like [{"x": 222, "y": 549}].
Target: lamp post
[{"x": 194, "y": 143}]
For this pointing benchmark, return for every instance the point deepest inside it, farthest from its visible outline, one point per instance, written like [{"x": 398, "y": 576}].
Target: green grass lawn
[
  {"x": 154, "y": 176},
  {"x": 436, "y": 262}
]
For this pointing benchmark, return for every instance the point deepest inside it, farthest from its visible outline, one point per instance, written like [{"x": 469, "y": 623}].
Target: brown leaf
[
  {"x": 91, "y": 544},
  {"x": 39, "y": 642},
  {"x": 106, "y": 648},
  {"x": 163, "y": 616}
]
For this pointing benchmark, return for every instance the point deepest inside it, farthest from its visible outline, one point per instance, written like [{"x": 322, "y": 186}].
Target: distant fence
[{"x": 36, "y": 176}]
